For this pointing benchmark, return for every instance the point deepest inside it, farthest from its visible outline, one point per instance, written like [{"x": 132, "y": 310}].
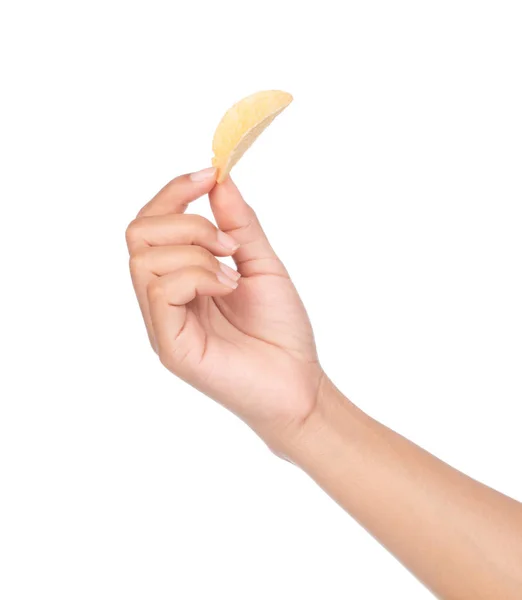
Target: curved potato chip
[{"x": 241, "y": 126}]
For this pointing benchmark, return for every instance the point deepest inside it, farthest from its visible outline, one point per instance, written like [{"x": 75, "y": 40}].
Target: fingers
[
  {"x": 144, "y": 232},
  {"x": 177, "y": 333},
  {"x": 177, "y": 194},
  {"x": 234, "y": 216},
  {"x": 162, "y": 241},
  {"x": 149, "y": 263},
  {"x": 162, "y": 260}
]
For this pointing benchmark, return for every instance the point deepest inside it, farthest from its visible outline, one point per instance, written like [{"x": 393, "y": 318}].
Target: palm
[
  {"x": 254, "y": 345},
  {"x": 252, "y": 348}
]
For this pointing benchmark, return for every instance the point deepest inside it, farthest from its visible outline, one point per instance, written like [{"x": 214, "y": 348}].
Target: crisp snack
[{"x": 242, "y": 124}]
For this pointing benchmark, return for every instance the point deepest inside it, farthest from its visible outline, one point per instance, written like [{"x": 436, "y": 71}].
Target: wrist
[{"x": 325, "y": 431}]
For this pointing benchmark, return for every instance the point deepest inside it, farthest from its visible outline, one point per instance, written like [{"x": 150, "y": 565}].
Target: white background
[{"x": 391, "y": 188}]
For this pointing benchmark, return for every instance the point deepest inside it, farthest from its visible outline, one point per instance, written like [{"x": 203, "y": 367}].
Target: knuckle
[
  {"x": 132, "y": 234},
  {"x": 247, "y": 228},
  {"x": 203, "y": 257},
  {"x": 155, "y": 290},
  {"x": 195, "y": 273},
  {"x": 198, "y": 219},
  {"x": 200, "y": 223},
  {"x": 138, "y": 261}
]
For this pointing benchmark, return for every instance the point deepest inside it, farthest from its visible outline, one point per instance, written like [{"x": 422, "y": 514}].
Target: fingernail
[
  {"x": 226, "y": 281},
  {"x": 229, "y": 272},
  {"x": 202, "y": 175},
  {"x": 227, "y": 241}
]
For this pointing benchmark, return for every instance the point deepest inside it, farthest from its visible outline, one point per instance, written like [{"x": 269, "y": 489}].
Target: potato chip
[{"x": 241, "y": 126}]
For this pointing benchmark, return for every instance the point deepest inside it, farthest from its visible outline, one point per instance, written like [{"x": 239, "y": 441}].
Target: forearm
[{"x": 459, "y": 537}]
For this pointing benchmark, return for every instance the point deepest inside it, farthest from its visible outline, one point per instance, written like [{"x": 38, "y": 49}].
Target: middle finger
[{"x": 169, "y": 230}]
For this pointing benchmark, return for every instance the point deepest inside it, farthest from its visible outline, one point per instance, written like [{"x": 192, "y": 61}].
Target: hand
[{"x": 243, "y": 338}]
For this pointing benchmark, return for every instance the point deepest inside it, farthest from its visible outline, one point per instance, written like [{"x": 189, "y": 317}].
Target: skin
[{"x": 244, "y": 339}]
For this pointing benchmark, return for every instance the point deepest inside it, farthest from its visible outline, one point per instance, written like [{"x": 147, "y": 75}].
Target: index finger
[{"x": 178, "y": 193}]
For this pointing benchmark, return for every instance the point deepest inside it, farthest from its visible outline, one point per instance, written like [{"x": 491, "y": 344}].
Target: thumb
[{"x": 255, "y": 255}]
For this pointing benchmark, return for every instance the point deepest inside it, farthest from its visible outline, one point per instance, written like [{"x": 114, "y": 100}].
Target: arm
[
  {"x": 243, "y": 338},
  {"x": 459, "y": 537}
]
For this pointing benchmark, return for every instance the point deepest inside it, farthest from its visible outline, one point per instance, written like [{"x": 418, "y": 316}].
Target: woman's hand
[
  {"x": 247, "y": 342},
  {"x": 242, "y": 338}
]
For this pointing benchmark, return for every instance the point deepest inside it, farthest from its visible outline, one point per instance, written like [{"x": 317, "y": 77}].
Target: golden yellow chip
[{"x": 241, "y": 126}]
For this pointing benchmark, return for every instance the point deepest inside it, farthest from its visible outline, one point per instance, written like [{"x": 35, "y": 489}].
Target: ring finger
[{"x": 151, "y": 262}]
